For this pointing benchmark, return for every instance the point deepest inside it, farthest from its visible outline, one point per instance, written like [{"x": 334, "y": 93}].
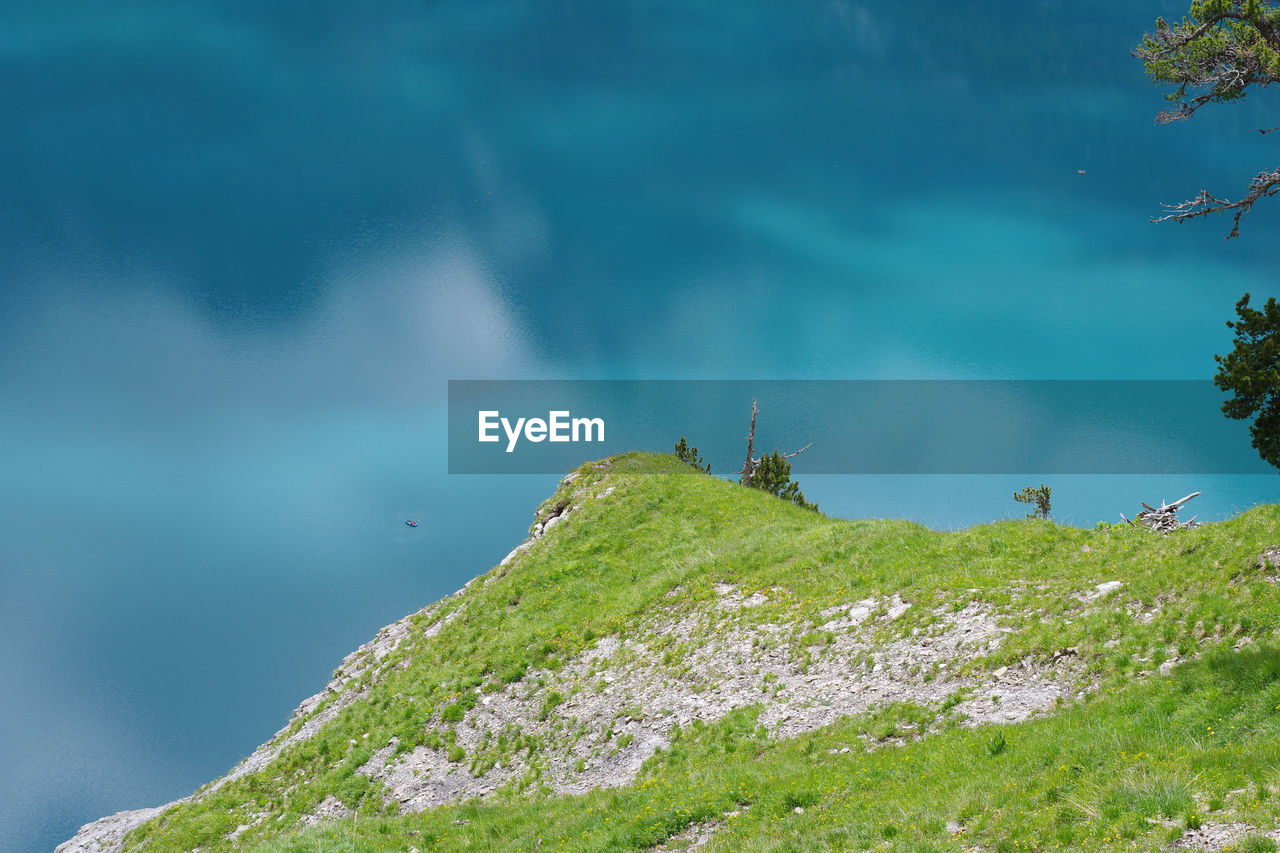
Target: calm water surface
[{"x": 243, "y": 247}]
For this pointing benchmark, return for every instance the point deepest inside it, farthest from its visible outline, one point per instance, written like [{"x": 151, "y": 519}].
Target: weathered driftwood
[{"x": 1164, "y": 519}]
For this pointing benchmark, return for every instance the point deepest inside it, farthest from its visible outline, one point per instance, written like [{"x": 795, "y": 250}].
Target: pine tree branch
[
  {"x": 1225, "y": 61},
  {"x": 1263, "y": 185},
  {"x": 1176, "y": 38}
]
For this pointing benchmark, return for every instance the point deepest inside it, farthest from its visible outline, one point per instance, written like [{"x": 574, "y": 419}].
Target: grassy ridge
[{"x": 1137, "y": 753}]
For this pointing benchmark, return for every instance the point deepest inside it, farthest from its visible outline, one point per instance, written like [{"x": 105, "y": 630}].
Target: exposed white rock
[
  {"x": 107, "y": 834},
  {"x": 1219, "y": 836},
  {"x": 328, "y": 809},
  {"x": 1102, "y": 590},
  {"x": 618, "y": 701}
]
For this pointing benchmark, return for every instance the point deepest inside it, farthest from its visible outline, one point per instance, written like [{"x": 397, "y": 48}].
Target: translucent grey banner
[{"x": 1036, "y": 427}]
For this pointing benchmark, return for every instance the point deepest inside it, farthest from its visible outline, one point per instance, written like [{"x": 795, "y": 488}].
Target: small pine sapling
[
  {"x": 689, "y": 456},
  {"x": 1039, "y": 497}
]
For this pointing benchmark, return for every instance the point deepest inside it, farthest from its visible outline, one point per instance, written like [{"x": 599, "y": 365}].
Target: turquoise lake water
[{"x": 243, "y": 247}]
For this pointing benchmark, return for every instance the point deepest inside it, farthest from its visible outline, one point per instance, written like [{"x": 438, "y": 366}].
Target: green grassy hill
[{"x": 678, "y": 662}]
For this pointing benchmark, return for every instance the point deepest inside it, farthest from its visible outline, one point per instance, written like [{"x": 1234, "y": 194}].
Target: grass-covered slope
[{"x": 675, "y": 661}]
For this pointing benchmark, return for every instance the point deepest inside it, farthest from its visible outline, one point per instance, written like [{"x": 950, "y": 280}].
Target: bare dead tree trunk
[{"x": 749, "y": 467}]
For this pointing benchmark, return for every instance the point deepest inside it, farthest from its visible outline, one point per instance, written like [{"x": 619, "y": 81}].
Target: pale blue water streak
[{"x": 242, "y": 247}]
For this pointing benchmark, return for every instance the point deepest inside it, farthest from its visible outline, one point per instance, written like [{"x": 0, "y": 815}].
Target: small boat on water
[{"x": 411, "y": 522}]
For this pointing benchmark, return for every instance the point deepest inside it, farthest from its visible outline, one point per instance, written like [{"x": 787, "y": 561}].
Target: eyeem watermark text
[{"x": 558, "y": 426}]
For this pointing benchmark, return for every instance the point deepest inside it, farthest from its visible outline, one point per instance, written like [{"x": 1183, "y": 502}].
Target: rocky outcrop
[
  {"x": 105, "y": 835},
  {"x": 594, "y": 722}
]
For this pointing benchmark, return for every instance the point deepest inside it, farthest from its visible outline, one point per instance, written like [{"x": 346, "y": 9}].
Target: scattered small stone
[{"x": 1217, "y": 836}]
